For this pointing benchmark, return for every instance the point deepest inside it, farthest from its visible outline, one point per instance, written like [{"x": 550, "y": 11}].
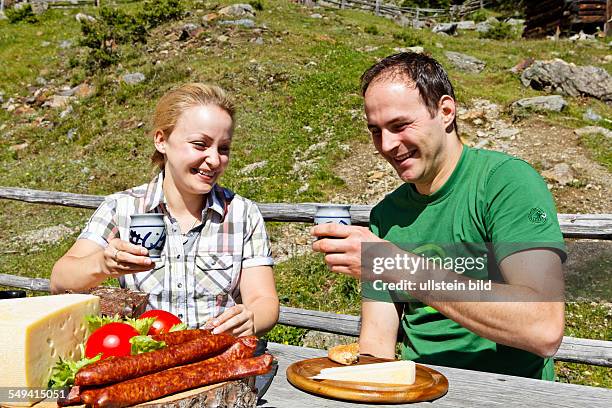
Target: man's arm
[
  {"x": 535, "y": 326},
  {"x": 379, "y": 326}
]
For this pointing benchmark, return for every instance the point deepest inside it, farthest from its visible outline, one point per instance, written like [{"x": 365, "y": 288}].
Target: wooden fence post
[
  {"x": 417, "y": 13},
  {"x": 343, "y": 4},
  {"x": 377, "y": 9},
  {"x": 608, "y": 26}
]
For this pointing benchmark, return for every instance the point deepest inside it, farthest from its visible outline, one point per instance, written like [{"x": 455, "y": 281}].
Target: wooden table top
[{"x": 466, "y": 389}]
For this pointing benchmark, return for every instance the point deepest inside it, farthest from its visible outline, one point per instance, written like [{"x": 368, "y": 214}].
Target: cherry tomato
[
  {"x": 163, "y": 321},
  {"x": 112, "y": 339}
]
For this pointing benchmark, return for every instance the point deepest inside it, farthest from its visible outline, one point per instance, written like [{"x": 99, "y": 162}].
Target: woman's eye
[
  {"x": 224, "y": 150},
  {"x": 199, "y": 145}
]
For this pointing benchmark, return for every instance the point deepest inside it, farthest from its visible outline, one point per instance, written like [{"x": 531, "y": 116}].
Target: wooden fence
[{"x": 575, "y": 350}]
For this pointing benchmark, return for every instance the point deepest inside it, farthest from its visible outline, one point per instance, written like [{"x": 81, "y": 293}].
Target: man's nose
[{"x": 389, "y": 141}]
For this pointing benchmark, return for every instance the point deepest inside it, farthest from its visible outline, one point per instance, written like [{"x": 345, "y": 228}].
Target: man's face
[{"x": 404, "y": 132}]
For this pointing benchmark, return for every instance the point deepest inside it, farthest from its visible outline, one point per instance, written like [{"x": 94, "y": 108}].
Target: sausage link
[
  {"x": 244, "y": 347},
  {"x": 181, "y": 336},
  {"x": 116, "y": 369},
  {"x": 73, "y": 397},
  {"x": 178, "y": 379}
]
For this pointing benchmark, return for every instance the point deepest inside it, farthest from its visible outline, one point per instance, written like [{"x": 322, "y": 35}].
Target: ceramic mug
[
  {"x": 149, "y": 231},
  {"x": 333, "y": 213}
]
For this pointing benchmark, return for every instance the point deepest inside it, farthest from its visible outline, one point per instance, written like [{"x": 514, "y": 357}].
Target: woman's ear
[{"x": 160, "y": 141}]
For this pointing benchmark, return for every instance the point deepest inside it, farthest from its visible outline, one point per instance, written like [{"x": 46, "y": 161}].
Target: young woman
[{"x": 216, "y": 266}]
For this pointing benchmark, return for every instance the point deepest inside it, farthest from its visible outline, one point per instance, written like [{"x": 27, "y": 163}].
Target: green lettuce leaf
[
  {"x": 95, "y": 322},
  {"x": 62, "y": 374},
  {"x": 144, "y": 344},
  {"x": 179, "y": 327},
  {"x": 142, "y": 326}
]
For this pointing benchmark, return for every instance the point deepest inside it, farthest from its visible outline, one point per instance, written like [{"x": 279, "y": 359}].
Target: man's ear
[
  {"x": 159, "y": 139},
  {"x": 447, "y": 110}
]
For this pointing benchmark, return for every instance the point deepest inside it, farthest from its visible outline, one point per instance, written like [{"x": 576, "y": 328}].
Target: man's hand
[{"x": 342, "y": 246}]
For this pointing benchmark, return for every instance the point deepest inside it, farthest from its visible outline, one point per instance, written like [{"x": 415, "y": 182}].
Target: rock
[
  {"x": 190, "y": 31},
  {"x": 18, "y": 147},
  {"x": 607, "y": 59},
  {"x": 581, "y": 36},
  {"x": 133, "y": 78},
  {"x": 238, "y": 10},
  {"x": 554, "y": 103},
  {"x": 316, "y": 15},
  {"x": 447, "y": 28},
  {"x": 82, "y": 17},
  {"x": 561, "y": 173},
  {"x": 368, "y": 48},
  {"x": 521, "y": 66},
  {"x": 259, "y": 41},
  {"x": 222, "y": 38},
  {"x": 45, "y": 44},
  {"x": 418, "y": 24},
  {"x": 568, "y": 79},
  {"x": 483, "y": 27},
  {"x": 592, "y": 116},
  {"x": 245, "y": 22},
  {"x": 515, "y": 21},
  {"x": 39, "y": 6},
  {"x": 66, "y": 112},
  {"x": 464, "y": 62},
  {"x": 466, "y": 25},
  {"x": 41, "y": 81},
  {"x": 594, "y": 130},
  {"x": 65, "y": 44},
  {"x": 70, "y": 136},
  {"x": 417, "y": 49},
  {"x": 322, "y": 340},
  {"x": 57, "y": 101},
  {"x": 251, "y": 167},
  {"x": 210, "y": 17},
  {"x": 82, "y": 91}
]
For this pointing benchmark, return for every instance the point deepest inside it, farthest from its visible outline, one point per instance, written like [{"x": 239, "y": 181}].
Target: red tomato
[
  {"x": 163, "y": 321},
  {"x": 112, "y": 339}
]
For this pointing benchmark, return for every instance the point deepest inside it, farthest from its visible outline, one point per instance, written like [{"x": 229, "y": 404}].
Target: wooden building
[{"x": 567, "y": 16}]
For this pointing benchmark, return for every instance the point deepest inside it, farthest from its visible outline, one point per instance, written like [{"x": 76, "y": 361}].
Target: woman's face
[{"x": 197, "y": 151}]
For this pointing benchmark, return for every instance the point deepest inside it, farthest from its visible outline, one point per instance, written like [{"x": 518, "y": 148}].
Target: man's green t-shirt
[{"x": 489, "y": 198}]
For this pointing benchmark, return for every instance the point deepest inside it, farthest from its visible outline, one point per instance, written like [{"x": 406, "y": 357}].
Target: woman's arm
[
  {"x": 87, "y": 264},
  {"x": 259, "y": 311}
]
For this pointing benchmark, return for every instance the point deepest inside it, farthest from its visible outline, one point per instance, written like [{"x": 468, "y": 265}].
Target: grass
[{"x": 297, "y": 96}]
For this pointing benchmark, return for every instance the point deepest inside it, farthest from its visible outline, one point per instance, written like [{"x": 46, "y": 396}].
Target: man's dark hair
[{"x": 427, "y": 74}]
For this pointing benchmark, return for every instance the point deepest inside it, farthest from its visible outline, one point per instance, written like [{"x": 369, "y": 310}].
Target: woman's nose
[{"x": 212, "y": 158}]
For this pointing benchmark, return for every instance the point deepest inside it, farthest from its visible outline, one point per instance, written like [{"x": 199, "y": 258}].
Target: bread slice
[{"x": 346, "y": 354}]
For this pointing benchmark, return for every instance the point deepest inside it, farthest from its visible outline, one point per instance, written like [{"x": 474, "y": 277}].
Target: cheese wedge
[
  {"x": 36, "y": 332},
  {"x": 394, "y": 372}
]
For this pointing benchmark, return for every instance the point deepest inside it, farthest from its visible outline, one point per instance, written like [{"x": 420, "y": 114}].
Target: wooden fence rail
[
  {"x": 597, "y": 226},
  {"x": 573, "y": 350}
]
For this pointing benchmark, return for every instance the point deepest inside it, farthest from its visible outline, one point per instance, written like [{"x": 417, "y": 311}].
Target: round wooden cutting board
[{"x": 428, "y": 386}]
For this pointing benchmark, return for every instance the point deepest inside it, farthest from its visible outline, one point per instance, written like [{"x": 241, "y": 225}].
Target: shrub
[
  {"x": 500, "y": 31},
  {"x": 372, "y": 29},
  {"x": 286, "y": 335},
  {"x": 257, "y": 4},
  {"x": 408, "y": 38},
  {"x": 479, "y": 16},
  {"x": 155, "y": 13},
  {"x": 103, "y": 36},
  {"x": 23, "y": 13}
]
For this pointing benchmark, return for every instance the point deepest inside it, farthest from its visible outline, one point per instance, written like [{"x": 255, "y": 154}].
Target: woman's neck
[{"x": 181, "y": 204}]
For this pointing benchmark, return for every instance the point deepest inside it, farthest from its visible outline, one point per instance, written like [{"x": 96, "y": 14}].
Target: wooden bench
[{"x": 574, "y": 350}]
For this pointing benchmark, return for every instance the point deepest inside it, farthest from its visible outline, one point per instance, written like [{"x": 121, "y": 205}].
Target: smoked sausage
[
  {"x": 181, "y": 336},
  {"x": 157, "y": 385},
  {"x": 116, "y": 369}
]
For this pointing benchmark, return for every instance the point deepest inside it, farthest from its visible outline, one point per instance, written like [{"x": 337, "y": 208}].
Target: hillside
[{"x": 68, "y": 125}]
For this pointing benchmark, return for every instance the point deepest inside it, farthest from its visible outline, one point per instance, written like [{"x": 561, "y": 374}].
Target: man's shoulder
[
  {"x": 490, "y": 163},
  {"x": 396, "y": 196}
]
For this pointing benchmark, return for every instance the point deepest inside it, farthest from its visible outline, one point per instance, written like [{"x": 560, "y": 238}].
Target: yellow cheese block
[
  {"x": 36, "y": 332},
  {"x": 394, "y": 372}
]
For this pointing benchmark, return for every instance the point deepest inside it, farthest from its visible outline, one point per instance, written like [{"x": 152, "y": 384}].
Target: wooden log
[
  {"x": 597, "y": 226},
  {"x": 608, "y": 26}
]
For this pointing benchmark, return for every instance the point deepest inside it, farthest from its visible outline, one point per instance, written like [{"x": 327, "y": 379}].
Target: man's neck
[{"x": 447, "y": 165}]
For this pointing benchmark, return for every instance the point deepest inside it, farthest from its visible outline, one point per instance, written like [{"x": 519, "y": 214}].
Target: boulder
[
  {"x": 591, "y": 116},
  {"x": 483, "y": 27},
  {"x": 594, "y": 130},
  {"x": 466, "y": 25},
  {"x": 244, "y": 22},
  {"x": 561, "y": 173},
  {"x": 39, "y": 6},
  {"x": 447, "y": 28},
  {"x": 568, "y": 79},
  {"x": 133, "y": 78},
  {"x": 58, "y": 101},
  {"x": 464, "y": 62},
  {"x": 238, "y": 10},
  {"x": 190, "y": 31},
  {"x": 554, "y": 103},
  {"x": 82, "y": 17}
]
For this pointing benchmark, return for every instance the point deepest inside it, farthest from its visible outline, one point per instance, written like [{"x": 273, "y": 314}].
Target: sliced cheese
[
  {"x": 36, "y": 332},
  {"x": 394, "y": 372}
]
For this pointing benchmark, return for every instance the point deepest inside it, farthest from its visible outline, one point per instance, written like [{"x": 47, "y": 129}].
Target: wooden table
[{"x": 466, "y": 389}]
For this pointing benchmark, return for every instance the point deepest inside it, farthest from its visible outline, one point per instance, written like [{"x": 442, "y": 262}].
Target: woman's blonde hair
[{"x": 178, "y": 100}]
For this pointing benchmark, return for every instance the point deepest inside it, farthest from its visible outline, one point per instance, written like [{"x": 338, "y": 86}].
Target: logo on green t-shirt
[{"x": 537, "y": 216}]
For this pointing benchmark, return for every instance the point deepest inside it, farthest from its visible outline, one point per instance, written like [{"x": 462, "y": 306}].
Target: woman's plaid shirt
[{"x": 199, "y": 284}]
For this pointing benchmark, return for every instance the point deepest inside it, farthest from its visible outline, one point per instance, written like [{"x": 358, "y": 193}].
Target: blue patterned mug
[
  {"x": 333, "y": 213},
  {"x": 149, "y": 231}
]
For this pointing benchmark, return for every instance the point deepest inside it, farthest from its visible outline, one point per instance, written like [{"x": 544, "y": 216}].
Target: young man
[{"x": 454, "y": 195}]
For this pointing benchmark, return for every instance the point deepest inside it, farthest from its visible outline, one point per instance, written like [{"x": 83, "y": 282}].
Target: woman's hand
[
  {"x": 120, "y": 257},
  {"x": 237, "y": 320}
]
